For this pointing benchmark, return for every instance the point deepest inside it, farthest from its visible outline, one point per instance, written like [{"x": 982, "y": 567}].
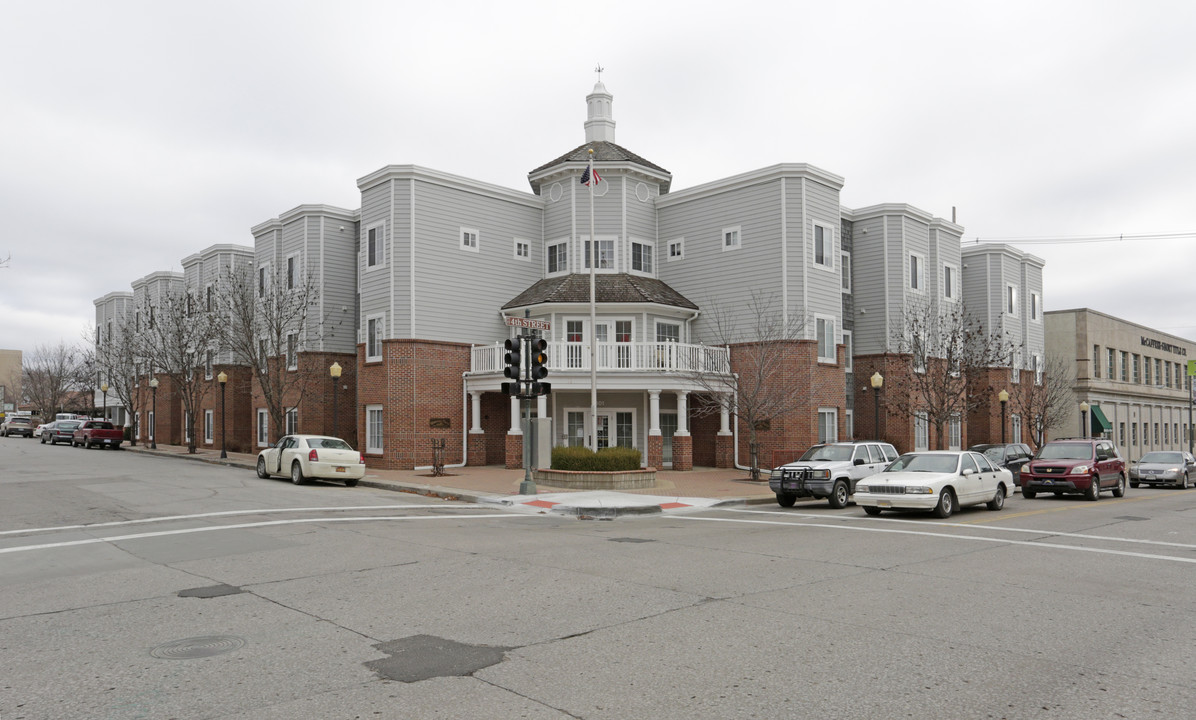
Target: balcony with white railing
[{"x": 629, "y": 357}]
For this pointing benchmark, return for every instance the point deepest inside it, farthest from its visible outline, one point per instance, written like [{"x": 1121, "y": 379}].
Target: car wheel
[
  {"x": 1028, "y": 494},
  {"x": 786, "y": 499},
  {"x": 351, "y": 483},
  {"x": 1119, "y": 489},
  {"x": 1093, "y": 492},
  {"x": 53, "y": 441},
  {"x": 871, "y": 510},
  {"x": 261, "y": 468},
  {"x": 1133, "y": 483},
  {"x": 43, "y": 439},
  {"x": 946, "y": 504},
  {"x": 839, "y": 494},
  {"x": 296, "y": 473},
  {"x": 86, "y": 443},
  {"x": 998, "y": 500},
  {"x": 1185, "y": 485}
]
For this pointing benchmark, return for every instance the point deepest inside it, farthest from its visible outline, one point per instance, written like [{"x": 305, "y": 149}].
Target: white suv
[{"x": 830, "y": 471}]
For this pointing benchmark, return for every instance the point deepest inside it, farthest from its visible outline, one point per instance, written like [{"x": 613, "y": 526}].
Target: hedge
[{"x": 608, "y": 459}]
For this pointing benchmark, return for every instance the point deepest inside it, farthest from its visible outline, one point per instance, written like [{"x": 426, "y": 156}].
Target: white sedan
[
  {"x": 939, "y": 481},
  {"x": 311, "y": 456}
]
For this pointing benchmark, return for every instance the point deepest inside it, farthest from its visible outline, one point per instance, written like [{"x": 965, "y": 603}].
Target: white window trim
[
  {"x": 954, "y": 432},
  {"x": 374, "y": 449},
  {"x": 264, "y": 280},
  {"x": 680, "y": 330},
  {"x": 1015, "y": 367},
  {"x": 292, "y": 420},
  {"x": 833, "y": 337},
  {"x": 828, "y": 235},
  {"x": 527, "y": 245},
  {"x": 920, "y": 276},
  {"x": 208, "y": 360},
  {"x": 834, "y": 427},
  {"x": 1035, "y": 308},
  {"x": 848, "y": 349},
  {"x": 562, "y": 269},
  {"x": 137, "y": 423},
  {"x": 921, "y": 427},
  {"x": 849, "y": 424},
  {"x": 295, "y": 282},
  {"x": 292, "y": 362},
  {"x": 845, "y": 272},
  {"x": 380, "y": 235},
  {"x": 722, "y": 238},
  {"x": 680, "y": 244},
  {"x": 464, "y": 243},
  {"x": 954, "y": 296},
  {"x": 381, "y": 318},
  {"x": 614, "y": 259},
  {"x": 651, "y": 249},
  {"x": 262, "y": 430},
  {"x": 208, "y": 422},
  {"x": 1009, "y": 298}
]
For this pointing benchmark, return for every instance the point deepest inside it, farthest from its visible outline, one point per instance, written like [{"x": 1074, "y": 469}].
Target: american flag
[{"x": 585, "y": 176}]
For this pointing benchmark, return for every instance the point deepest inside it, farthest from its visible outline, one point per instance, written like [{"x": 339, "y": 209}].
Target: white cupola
[{"x": 600, "y": 125}]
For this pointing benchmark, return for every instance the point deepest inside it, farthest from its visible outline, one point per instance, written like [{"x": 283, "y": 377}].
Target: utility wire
[{"x": 1081, "y": 239}]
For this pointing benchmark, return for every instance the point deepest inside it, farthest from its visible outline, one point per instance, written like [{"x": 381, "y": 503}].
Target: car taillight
[
  {"x": 362, "y": 456},
  {"x": 313, "y": 456}
]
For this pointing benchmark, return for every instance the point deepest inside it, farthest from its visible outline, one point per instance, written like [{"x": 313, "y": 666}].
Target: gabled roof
[
  {"x": 603, "y": 152},
  {"x": 608, "y": 288}
]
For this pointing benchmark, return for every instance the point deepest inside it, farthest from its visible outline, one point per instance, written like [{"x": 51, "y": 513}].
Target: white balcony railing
[{"x": 667, "y": 357}]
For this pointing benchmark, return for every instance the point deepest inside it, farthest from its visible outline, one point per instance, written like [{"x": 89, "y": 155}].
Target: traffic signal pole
[{"x": 526, "y": 365}]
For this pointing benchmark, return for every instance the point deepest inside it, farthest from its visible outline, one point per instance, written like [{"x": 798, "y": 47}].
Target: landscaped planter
[{"x": 597, "y": 480}]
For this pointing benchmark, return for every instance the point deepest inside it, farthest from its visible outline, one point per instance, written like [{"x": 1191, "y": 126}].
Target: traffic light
[
  {"x": 514, "y": 359},
  {"x": 538, "y": 358}
]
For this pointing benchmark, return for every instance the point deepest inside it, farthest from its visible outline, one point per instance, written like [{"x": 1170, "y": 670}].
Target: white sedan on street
[
  {"x": 311, "y": 456},
  {"x": 939, "y": 481}
]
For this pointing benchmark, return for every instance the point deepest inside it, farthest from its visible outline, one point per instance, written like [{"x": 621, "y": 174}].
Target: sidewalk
[{"x": 494, "y": 483}]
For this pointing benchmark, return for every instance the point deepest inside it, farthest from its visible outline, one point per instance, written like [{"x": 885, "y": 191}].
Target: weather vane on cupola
[{"x": 598, "y": 69}]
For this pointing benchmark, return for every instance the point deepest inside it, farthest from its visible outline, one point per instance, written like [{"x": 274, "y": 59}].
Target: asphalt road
[{"x": 200, "y": 591}]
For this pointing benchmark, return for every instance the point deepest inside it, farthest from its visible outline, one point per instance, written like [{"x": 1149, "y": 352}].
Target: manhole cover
[
  {"x": 211, "y": 591},
  {"x": 197, "y": 647},
  {"x": 422, "y": 657},
  {"x": 630, "y": 540}
]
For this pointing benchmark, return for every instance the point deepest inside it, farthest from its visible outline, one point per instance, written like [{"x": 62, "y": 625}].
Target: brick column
[
  {"x": 656, "y": 451},
  {"x": 514, "y": 451},
  {"x": 683, "y": 452},
  {"x": 724, "y": 451},
  {"x": 477, "y": 449}
]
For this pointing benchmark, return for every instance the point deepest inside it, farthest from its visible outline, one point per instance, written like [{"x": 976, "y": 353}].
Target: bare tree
[
  {"x": 760, "y": 337},
  {"x": 945, "y": 345},
  {"x": 267, "y": 328},
  {"x": 180, "y": 336},
  {"x": 118, "y": 360},
  {"x": 50, "y": 374},
  {"x": 1045, "y": 400}
]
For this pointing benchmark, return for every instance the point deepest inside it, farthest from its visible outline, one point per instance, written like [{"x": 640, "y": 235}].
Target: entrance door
[
  {"x": 668, "y": 426},
  {"x": 603, "y": 427}
]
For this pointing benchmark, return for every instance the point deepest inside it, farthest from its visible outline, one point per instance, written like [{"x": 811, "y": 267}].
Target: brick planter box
[{"x": 596, "y": 480}]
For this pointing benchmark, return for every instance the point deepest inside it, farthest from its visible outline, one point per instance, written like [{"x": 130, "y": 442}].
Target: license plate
[
  {"x": 1047, "y": 481},
  {"x": 884, "y": 503},
  {"x": 340, "y": 469}
]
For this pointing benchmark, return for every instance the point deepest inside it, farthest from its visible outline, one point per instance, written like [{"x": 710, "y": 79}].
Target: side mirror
[
  {"x": 273, "y": 445},
  {"x": 966, "y": 472},
  {"x": 1101, "y": 456},
  {"x": 858, "y": 461}
]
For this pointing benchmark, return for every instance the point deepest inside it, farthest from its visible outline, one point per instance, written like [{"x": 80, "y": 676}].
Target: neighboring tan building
[
  {"x": 10, "y": 379},
  {"x": 1134, "y": 379}
]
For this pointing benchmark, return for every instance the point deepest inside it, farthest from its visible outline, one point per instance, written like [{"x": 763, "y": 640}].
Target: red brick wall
[{"x": 310, "y": 388}]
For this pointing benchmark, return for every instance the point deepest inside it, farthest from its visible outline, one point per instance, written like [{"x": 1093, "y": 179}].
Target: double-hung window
[
  {"x": 207, "y": 426},
  {"x": 950, "y": 282},
  {"x": 641, "y": 256},
  {"x": 373, "y": 429},
  {"x": 1011, "y": 300},
  {"x": 558, "y": 258},
  {"x": 375, "y": 246},
  {"x": 606, "y": 254},
  {"x": 824, "y": 246},
  {"x": 293, "y": 421},
  {"x": 916, "y": 268},
  {"x": 845, "y": 271},
  {"x": 263, "y": 427},
  {"x": 825, "y": 328},
  {"x": 828, "y": 425},
  {"x": 292, "y": 352},
  {"x": 373, "y": 338}
]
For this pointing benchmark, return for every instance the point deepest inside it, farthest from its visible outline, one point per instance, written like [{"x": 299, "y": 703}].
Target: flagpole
[{"x": 593, "y": 316}]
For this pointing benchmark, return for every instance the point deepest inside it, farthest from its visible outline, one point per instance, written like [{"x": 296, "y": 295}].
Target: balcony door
[{"x": 617, "y": 332}]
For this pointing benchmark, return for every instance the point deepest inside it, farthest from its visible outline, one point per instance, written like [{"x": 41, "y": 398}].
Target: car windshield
[
  {"x": 66, "y": 424},
  {"x": 1065, "y": 451},
  {"x": 834, "y": 453},
  {"x": 917, "y": 462},
  {"x": 1167, "y": 458},
  {"x": 328, "y": 444}
]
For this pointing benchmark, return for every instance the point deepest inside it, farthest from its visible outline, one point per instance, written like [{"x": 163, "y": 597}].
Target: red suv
[{"x": 1075, "y": 465}]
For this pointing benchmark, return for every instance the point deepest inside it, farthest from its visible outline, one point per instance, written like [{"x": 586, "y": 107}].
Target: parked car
[
  {"x": 98, "y": 432},
  {"x": 60, "y": 431},
  {"x": 311, "y": 456},
  {"x": 17, "y": 425},
  {"x": 1010, "y": 456},
  {"x": 1075, "y": 465},
  {"x": 829, "y": 471},
  {"x": 37, "y": 431},
  {"x": 939, "y": 481},
  {"x": 1163, "y": 468}
]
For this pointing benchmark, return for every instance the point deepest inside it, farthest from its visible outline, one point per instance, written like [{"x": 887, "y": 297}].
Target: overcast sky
[{"x": 133, "y": 134}]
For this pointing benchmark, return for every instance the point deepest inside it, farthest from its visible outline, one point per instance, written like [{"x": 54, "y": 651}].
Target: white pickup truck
[{"x": 830, "y": 471}]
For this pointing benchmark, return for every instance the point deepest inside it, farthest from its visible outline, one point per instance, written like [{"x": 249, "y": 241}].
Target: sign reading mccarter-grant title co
[{"x": 1160, "y": 345}]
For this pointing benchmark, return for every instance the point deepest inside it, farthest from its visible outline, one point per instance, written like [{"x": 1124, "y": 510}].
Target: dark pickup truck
[{"x": 98, "y": 432}]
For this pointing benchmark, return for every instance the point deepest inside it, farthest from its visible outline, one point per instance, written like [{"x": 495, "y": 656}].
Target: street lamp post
[
  {"x": 878, "y": 382},
  {"x": 1083, "y": 419},
  {"x": 1003, "y": 396},
  {"x": 153, "y": 429},
  {"x": 104, "y": 389},
  {"x": 335, "y": 371},
  {"x": 222, "y": 378}
]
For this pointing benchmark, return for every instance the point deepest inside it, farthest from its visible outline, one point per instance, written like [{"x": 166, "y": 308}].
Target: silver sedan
[{"x": 1171, "y": 467}]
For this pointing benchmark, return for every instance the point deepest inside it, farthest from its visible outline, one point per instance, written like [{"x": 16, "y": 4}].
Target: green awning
[{"x": 1100, "y": 423}]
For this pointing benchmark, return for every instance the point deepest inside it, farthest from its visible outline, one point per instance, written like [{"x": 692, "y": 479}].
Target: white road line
[
  {"x": 978, "y": 538},
  {"x": 1051, "y": 533},
  {"x": 210, "y": 528},
  {"x": 226, "y": 513}
]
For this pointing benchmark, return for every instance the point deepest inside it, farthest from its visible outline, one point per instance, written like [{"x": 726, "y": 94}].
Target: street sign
[
  {"x": 529, "y": 323},
  {"x": 1191, "y": 367}
]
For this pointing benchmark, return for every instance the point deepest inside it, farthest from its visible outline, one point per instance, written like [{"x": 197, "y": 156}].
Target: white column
[
  {"x": 724, "y": 418},
  {"x": 654, "y": 412},
  {"x": 682, "y": 413},
  {"x": 516, "y": 426},
  {"x": 475, "y": 409},
  {"x": 542, "y": 406}
]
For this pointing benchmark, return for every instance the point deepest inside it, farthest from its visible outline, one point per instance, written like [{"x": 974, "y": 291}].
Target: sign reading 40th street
[{"x": 529, "y": 323}]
